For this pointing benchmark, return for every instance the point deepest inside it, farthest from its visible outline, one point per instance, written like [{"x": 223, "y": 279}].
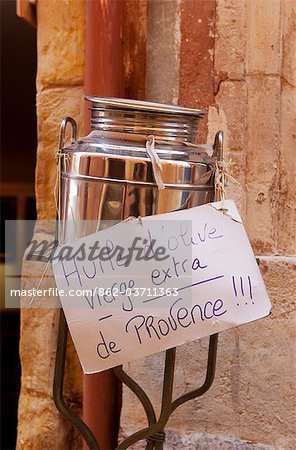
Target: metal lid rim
[{"x": 142, "y": 105}]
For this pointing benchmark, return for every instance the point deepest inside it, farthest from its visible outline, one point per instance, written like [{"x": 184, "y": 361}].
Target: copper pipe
[{"x": 104, "y": 76}]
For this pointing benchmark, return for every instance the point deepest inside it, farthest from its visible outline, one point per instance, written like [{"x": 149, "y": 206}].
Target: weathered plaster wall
[{"x": 238, "y": 57}]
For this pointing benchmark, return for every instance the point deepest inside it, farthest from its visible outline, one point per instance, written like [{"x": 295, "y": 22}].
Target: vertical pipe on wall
[{"x": 103, "y": 77}]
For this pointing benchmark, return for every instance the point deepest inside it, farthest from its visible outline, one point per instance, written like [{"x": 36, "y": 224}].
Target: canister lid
[{"x": 141, "y": 105}]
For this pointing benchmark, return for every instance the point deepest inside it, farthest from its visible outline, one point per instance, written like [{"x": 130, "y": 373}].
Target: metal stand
[{"x": 154, "y": 433}]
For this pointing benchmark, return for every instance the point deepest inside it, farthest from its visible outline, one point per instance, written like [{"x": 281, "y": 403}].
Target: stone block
[
  {"x": 190, "y": 440},
  {"x": 60, "y": 43},
  {"x": 37, "y": 413},
  {"x": 42, "y": 427},
  {"x": 262, "y": 161},
  {"x": 40, "y": 424},
  {"x": 52, "y": 106},
  {"x": 288, "y": 68},
  {"x": 286, "y": 200},
  {"x": 264, "y": 36},
  {"x": 230, "y": 41}
]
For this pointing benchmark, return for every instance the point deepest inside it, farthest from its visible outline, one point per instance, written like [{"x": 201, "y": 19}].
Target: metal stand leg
[
  {"x": 154, "y": 433},
  {"x": 210, "y": 375}
]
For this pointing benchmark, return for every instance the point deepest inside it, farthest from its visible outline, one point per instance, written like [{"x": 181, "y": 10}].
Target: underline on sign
[
  {"x": 105, "y": 317},
  {"x": 185, "y": 287}
]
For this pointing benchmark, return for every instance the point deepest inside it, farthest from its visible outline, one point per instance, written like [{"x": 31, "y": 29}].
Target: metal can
[{"x": 109, "y": 175}]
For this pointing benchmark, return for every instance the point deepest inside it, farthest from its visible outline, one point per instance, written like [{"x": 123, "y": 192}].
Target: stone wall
[
  {"x": 59, "y": 93},
  {"x": 236, "y": 57}
]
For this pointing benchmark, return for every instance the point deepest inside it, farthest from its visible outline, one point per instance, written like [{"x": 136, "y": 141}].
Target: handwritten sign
[{"x": 158, "y": 282}]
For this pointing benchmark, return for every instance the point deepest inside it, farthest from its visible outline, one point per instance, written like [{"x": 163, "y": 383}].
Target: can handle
[
  {"x": 218, "y": 145},
  {"x": 63, "y": 128}
]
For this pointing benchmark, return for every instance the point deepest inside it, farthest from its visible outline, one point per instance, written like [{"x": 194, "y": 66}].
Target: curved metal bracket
[
  {"x": 138, "y": 391},
  {"x": 154, "y": 433},
  {"x": 210, "y": 375},
  {"x": 63, "y": 129},
  {"x": 218, "y": 145}
]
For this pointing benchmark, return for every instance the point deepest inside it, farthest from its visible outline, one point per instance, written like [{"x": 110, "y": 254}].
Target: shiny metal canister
[{"x": 108, "y": 174}]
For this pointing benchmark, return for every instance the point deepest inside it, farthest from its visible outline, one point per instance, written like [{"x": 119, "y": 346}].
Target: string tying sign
[{"x": 146, "y": 285}]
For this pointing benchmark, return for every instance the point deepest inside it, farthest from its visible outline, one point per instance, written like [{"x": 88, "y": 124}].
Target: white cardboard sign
[{"x": 203, "y": 280}]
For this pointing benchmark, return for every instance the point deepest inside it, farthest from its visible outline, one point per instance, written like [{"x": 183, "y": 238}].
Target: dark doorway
[{"x": 18, "y": 153}]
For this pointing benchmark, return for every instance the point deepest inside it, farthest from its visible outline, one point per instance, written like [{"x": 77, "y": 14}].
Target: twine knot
[
  {"x": 221, "y": 179},
  {"x": 157, "y": 437},
  {"x": 222, "y": 165}
]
